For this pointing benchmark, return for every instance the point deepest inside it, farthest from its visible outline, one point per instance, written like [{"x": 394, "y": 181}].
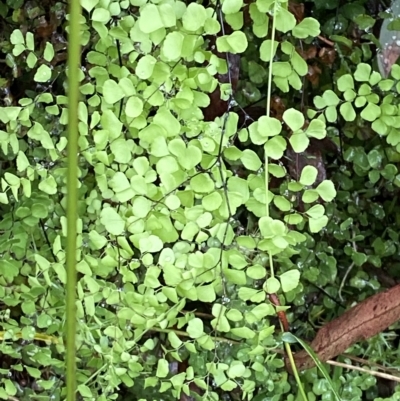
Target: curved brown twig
[
  {"x": 281, "y": 314},
  {"x": 361, "y": 322}
]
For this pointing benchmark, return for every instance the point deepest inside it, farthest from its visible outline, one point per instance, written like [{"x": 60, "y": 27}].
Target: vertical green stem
[
  {"x": 269, "y": 92},
  {"x": 295, "y": 372},
  {"x": 266, "y": 169},
  {"x": 269, "y": 88},
  {"x": 74, "y": 49}
]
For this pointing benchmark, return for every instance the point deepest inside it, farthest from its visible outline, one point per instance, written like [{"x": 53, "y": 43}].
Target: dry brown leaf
[
  {"x": 307, "y": 54},
  {"x": 327, "y": 56},
  {"x": 313, "y": 74},
  {"x": 297, "y": 9},
  {"x": 389, "y": 56}
]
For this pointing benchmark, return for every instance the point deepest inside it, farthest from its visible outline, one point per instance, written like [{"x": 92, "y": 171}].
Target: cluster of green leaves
[
  {"x": 159, "y": 230},
  {"x": 26, "y": 45},
  {"x": 266, "y": 131},
  {"x": 289, "y": 67},
  {"x": 339, "y": 19},
  {"x": 360, "y": 230},
  {"x": 357, "y": 250},
  {"x": 372, "y": 100}
]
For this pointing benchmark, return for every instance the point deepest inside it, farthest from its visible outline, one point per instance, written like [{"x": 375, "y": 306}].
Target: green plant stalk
[
  {"x": 268, "y": 111},
  {"x": 269, "y": 87},
  {"x": 74, "y": 49},
  {"x": 295, "y": 372},
  {"x": 266, "y": 169}
]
